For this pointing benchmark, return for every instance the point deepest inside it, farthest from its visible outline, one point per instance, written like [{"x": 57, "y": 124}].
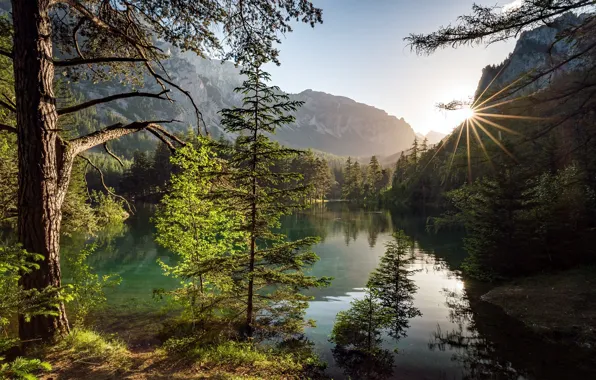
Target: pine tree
[
  {"x": 273, "y": 275},
  {"x": 357, "y": 188},
  {"x": 346, "y": 190},
  {"x": 205, "y": 236},
  {"x": 415, "y": 151},
  {"x": 374, "y": 177},
  {"x": 424, "y": 146},
  {"x": 322, "y": 179}
]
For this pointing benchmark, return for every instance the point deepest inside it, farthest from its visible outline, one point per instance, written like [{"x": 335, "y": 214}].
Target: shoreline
[{"x": 559, "y": 306}]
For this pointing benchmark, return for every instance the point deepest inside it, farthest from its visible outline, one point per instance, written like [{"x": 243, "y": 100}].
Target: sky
[{"x": 359, "y": 52}]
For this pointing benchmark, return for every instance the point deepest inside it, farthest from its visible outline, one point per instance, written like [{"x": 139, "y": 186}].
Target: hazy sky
[{"x": 359, "y": 52}]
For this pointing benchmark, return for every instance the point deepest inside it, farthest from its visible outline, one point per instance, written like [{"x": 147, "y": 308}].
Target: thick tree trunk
[{"x": 44, "y": 163}]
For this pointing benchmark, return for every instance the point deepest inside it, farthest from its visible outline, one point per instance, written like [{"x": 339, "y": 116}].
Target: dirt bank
[{"x": 561, "y": 306}]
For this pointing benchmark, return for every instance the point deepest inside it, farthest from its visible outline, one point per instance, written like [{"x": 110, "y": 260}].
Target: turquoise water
[{"x": 458, "y": 336}]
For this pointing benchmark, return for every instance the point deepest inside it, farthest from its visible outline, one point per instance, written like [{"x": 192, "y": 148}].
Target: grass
[
  {"x": 91, "y": 347},
  {"x": 241, "y": 360}
]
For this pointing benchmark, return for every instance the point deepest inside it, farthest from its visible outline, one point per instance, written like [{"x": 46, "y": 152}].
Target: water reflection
[
  {"x": 477, "y": 355},
  {"x": 387, "y": 307},
  {"x": 364, "y": 365},
  {"x": 456, "y": 337}
]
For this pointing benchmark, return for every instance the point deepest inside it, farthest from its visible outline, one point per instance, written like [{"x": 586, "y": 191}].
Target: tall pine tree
[{"x": 272, "y": 275}]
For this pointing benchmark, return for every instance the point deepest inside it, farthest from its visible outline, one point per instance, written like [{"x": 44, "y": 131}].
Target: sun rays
[{"x": 483, "y": 117}]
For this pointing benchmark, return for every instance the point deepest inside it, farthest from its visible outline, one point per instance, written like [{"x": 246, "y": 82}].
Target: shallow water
[{"x": 458, "y": 336}]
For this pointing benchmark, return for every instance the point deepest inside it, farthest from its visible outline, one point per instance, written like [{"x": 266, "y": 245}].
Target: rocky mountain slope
[
  {"x": 534, "y": 52},
  {"x": 326, "y": 122}
]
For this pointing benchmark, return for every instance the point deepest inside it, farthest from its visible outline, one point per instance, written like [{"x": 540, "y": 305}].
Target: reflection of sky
[
  {"x": 350, "y": 265},
  {"x": 414, "y": 360}
]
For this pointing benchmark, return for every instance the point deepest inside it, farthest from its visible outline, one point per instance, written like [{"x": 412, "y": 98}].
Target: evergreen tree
[
  {"x": 424, "y": 146},
  {"x": 161, "y": 167},
  {"x": 322, "y": 179},
  {"x": 414, "y": 152},
  {"x": 374, "y": 178},
  {"x": 272, "y": 275},
  {"x": 205, "y": 236},
  {"x": 347, "y": 188}
]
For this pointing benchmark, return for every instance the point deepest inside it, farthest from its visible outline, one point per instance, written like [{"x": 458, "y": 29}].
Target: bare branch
[
  {"x": 161, "y": 137},
  {"x": 110, "y": 98},
  {"x": 7, "y": 128},
  {"x": 198, "y": 113},
  {"x": 168, "y": 134},
  {"x": 108, "y": 151},
  {"x": 106, "y": 188},
  {"x": 88, "y": 61},
  {"x": 81, "y": 144}
]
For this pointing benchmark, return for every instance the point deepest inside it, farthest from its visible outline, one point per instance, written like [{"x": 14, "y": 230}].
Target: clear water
[{"x": 458, "y": 336}]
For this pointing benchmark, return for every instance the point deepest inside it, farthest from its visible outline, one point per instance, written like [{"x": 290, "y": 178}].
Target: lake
[{"x": 458, "y": 336}]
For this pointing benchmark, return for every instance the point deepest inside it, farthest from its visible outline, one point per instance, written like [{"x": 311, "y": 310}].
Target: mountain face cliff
[
  {"x": 329, "y": 123},
  {"x": 536, "y": 50}
]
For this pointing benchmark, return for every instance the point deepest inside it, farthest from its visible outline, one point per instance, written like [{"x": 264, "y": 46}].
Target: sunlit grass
[{"x": 90, "y": 346}]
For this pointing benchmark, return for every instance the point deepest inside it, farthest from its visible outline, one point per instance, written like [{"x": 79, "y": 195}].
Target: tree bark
[{"x": 44, "y": 159}]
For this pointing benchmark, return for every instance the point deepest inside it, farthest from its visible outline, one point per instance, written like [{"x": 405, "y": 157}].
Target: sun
[{"x": 467, "y": 113}]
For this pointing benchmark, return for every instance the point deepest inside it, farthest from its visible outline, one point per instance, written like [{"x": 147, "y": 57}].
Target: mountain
[
  {"x": 432, "y": 137},
  {"x": 342, "y": 126},
  {"x": 333, "y": 124},
  {"x": 534, "y": 52}
]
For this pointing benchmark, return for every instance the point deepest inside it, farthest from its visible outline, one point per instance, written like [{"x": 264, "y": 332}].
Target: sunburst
[{"x": 480, "y": 117}]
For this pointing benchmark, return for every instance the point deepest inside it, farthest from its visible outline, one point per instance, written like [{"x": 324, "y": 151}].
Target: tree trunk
[{"x": 44, "y": 162}]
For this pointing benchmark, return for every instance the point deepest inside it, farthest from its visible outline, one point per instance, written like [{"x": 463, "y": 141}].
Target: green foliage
[
  {"x": 517, "y": 225},
  {"x": 363, "y": 184},
  {"x": 227, "y": 358},
  {"x": 23, "y": 368},
  {"x": 273, "y": 269},
  {"x": 108, "y": 209},
  {"x": 86, "y": 288},
  {"x": 205, "y": 236},
  {"x": 13, "y": 300}
]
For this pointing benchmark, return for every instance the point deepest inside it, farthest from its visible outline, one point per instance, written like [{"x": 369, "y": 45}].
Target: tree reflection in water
[
  {"x": 387, "y": 307},
  {"x": 476, "y": 354}
]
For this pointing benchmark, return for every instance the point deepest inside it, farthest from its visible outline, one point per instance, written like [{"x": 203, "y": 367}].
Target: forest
[{"x": 242, "y": 226}]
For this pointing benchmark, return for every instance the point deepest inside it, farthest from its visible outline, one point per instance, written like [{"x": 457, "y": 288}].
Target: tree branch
[
  {"x": 106, "y": 188},
  {"x": 108, "y": 151},
  {"x": 7, "y": 128},
  {"x": 164, "y": 140},
  {"x": 110, "y": 98},
  {"x": 6, "y": 53},
  {"x": 81, "y": 144},
  {"x": 87, "y": 61},
  {"x": 9, "y": 107}
]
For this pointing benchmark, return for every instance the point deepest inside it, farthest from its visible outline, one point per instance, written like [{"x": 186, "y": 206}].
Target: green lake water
[{"x": 458, "y": 336}]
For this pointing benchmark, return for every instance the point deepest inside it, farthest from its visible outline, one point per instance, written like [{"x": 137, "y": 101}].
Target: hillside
[
  {"x": 536, "y": 50},
  {"x": 333, "y": 124}
]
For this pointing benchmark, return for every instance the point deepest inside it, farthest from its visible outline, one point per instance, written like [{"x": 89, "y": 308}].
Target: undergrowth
[{"x": 91, "y": 347}]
